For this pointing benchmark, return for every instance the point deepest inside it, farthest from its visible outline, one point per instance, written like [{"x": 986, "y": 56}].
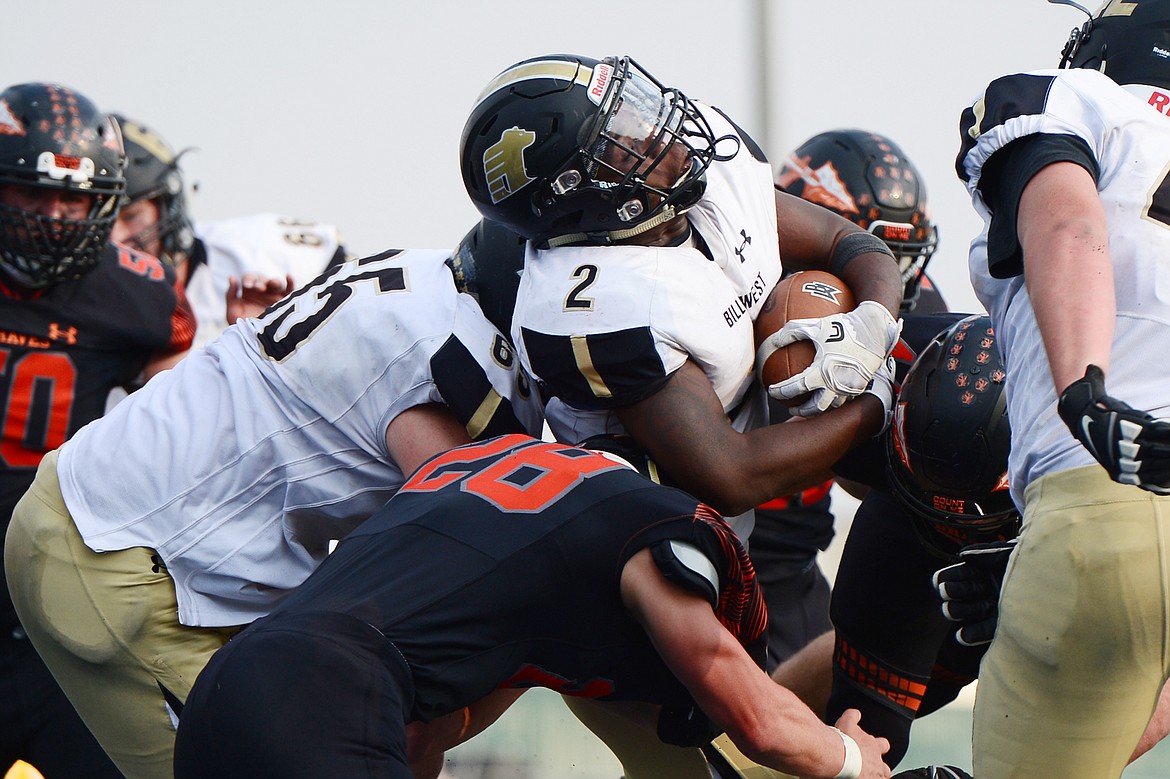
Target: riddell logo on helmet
[{"x": 599, "y": 81}]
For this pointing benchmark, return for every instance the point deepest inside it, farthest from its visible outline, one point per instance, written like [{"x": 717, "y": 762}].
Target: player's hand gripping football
[
  {"x": 851, "y": 347},
  {"x": 1133, "y": 446},
  {"x": 970, "y": 590}
]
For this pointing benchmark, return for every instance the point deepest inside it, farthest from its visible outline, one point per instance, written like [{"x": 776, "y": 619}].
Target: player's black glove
[
  {"x": 970, "y": 590},
  {"x": 1132, "y": 445},
  {"x": 933, "y": 772}
]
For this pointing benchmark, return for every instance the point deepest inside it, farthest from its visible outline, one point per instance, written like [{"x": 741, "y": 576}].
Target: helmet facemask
[
  {"x": 39, "y": 251},
  {"x": 912, "y": 255},
  {"x": 172, "y": 231},
  {"x": 646, "y": 154}
]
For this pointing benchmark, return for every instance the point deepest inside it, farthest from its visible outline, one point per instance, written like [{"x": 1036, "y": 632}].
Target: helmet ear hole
[{"x": 947, "y": 449}]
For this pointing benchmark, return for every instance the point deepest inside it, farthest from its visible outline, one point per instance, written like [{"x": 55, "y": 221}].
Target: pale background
[{"x": 350, "y": 112}]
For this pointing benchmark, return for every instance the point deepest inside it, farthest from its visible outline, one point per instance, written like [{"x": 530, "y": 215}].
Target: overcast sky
[{"x": 350, "y": 111}]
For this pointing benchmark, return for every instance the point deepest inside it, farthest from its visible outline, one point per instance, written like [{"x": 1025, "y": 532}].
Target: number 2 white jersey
[
  {"x": 605, "y": 326},
  {"x": 1130, "y": 140},
  {"x": 242, "y": 463},
  {"x": 269, "y": 245}
]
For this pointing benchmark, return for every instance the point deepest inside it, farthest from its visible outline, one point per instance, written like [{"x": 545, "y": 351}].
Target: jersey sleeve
[
  {"x": 1067, "y": 106},
  {"x": 478, "y": 377}
]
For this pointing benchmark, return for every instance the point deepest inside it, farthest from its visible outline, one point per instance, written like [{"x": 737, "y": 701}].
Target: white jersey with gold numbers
[{"x": 241, "y": 464}]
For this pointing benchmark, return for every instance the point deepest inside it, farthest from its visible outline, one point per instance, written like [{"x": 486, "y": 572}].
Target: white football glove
[{"x": 851, "y": 347}]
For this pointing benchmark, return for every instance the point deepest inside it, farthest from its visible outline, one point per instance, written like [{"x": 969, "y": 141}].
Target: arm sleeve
[{"x": 1002, "y": 183}]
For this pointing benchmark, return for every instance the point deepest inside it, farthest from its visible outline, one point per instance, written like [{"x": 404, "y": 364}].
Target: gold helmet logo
[{"x": 503, "y": 163}]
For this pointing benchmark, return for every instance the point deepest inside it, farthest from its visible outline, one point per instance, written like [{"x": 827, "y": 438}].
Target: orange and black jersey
[
  {"x": 64, "y": 349},
  {"x": 498, "y": 565}
]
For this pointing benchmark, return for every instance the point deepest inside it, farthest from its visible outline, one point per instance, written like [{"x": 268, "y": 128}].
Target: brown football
[{"x": 809, "y": 294}]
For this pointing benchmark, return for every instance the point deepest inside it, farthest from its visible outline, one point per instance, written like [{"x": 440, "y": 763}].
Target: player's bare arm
[
  {"x": 1067, "y": 269},
  {"x": 766, "y": 721},
  {"x": 687, "y": 433},
  {"x": 808, "y": 236},
  {"x": 421, "y": 432}
]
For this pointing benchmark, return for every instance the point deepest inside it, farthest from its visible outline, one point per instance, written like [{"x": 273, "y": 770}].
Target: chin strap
[{"x": 663, "y": 216}]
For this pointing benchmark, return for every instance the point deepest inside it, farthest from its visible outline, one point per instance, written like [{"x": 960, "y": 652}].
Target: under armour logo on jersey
[
  {"x": 68, "y": 335},
  {"x": 838, "y": 333},
  {"x": 503, "y": 163},
  {"x": 747, "y": 241},
  {"x": 819, "y": 289}
]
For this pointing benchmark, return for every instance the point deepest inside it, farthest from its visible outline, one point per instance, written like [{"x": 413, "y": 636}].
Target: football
[{"x": 809, "y": 294}]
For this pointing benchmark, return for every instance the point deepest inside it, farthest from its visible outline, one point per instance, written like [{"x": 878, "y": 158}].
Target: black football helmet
[
  {"x": 562, "y": 149},
  {"x": 1127, "y": 41},
  {"x": 487, "y": 265},
  {"x": 54, "y": 138},
  {"x": 152, "y": 172},
  {"x": 947, "y": 447},
  {"x": 866, "y": 178}
]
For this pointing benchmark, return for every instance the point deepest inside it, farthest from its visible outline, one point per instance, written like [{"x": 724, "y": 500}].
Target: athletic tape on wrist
[{"x": 852, "y": 767}]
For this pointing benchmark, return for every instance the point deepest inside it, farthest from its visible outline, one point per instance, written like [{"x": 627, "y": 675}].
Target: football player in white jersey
[
  {"x": 231, "y": 268},
  {"x": 1068, "y": 168},
  {"x": 209, "y": 494},
  {"x": 654, "y": 234}
]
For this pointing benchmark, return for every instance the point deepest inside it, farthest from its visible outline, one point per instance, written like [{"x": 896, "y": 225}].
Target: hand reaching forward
[{"x": 250, "y": 295}]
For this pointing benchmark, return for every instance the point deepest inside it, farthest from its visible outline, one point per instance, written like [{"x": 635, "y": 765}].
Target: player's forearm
[{"x": 684, "y": 429}]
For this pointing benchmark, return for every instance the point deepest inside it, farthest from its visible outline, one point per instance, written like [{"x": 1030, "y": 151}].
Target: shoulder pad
[{"x": 684, "y": 564}]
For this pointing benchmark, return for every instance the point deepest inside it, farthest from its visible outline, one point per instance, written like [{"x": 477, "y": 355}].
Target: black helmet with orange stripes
[
  {"x": 867, "y": 178},
  {"x": 947, "y": 447},
  {"x": 55, "y": 141}
]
